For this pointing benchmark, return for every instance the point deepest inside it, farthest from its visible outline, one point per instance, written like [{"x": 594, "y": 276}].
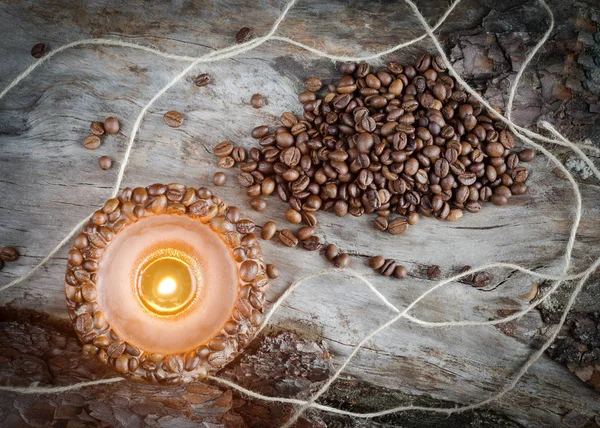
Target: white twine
[{"x": 519, "y": 131}]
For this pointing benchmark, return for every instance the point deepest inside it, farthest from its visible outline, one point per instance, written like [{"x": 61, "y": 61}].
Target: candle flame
[{"x": 167, "y": 286}]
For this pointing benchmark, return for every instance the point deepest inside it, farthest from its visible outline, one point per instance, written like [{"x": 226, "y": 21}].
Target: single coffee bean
[
  {"x": 219, "y": 179},
  {"x": 258, "y": 204},
  {"x": 376, "y": 262},
  {"x": 257, "y": 101},
  {"x": 331, "y": 252},
  {"x": 342, "y": 261},
  {"x": 413, "y": 218},
  {"x": 244, "y": 35},
  {"x": 309, "y": 219},
  {"x": 400, "y": 272},
  {"x": 499, "y": 200},
  {"x": 312, "y": 243},
  {"x": 313, "y": 84},
  {"x": 112, "y": 125},
  {"x": 226, "y": 162},
  {"x": 272, "y": 271},
  {"x": 381, "y": 223},
  {"x": 92, "y": 142},
  {"x": 97, "y": 128},
  {"x": 287, "y": 238},
  {"x": 173, "y": 118},
  {"x": 268, "y": 230},
  {"x": 433, "y": 272},
  {"x": 305, "y": 232},
  {"x": 105, "y": 163},
  {"x": 293, "y": 216},
  {"x": 223, "y": 149},
  {"x": 388, "y": 267},
  {"x": 526, "y": 155},
  {"x": 202, "y": 79},
  {"x": 9, "y": 254},
  {"x": 397, "y": 226},
  {"x": 38, "y": 50},
  {"x": 238, "y": 154}
]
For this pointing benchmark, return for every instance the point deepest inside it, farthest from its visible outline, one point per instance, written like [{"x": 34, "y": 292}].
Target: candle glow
[{"x": 167, "y": 286}]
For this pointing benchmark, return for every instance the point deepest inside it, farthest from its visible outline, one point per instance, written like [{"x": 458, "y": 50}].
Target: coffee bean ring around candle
[{"x": 91, "y": 325}]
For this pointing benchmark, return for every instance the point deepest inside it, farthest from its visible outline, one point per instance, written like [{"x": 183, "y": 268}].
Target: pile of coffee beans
[
  {"x": 398, "y": 142},
  {"x": 8, "y": 254}
]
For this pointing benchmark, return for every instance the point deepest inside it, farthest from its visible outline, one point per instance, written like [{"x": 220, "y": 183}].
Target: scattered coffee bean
[
  {"x": 293, "y": 216},
  {"x": 223, "y": 149},
  {"x": 397, "y": 226},
  {"x": 287, "y": 238},
  {"x": 105, "y": 162},
  {"x": 97, "y": 128},
  {"x": 309, "y": 219},
  {"x": 312, "y": 243},
  {"x": 244, "y": 35},
  {"x": 111, "y": 125},
  {"x": 268, "y": 230},
  {"x": 381, "y": 223},
  {"x": 226, "y": 162},
  {"x": 388, "y": 267},
  {"x": 313, "y": 84},
  {"x": 376, "y": 262},
  {"x": 258, "y": 204},
  {"x": 9, "y": 254},
  {"x": 219, "y": 179},
  {"x": 342, "y": 261},
  {"x": 257, "y": 101},
  {"x": 272, "y": 271},
  {"x": 433, "y": 272},
  {"x": 400, "y": 272},
  {"x": 305, "y": 232},
  {"x": 331, "y": 252},
  {"x": 38, "y": 50},
  {"x": 526, "y": 155},
  {"x": 202, "y": 79},
  {"x": 91, "y": 142},
  {"x": 173, "y": 118},
  {"x": 413, "y": 218}
]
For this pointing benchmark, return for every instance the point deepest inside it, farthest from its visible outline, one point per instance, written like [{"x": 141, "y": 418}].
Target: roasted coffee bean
[
  {"x": 173, "y": 118},
  {"x": 397, "y": 226},
  {"x": 258, "y": 204},
  {"x": 305, "y": 232},
  {"x": 293, "y": 216},
  {"x": 381, "y": 223},
  {"x": 243, "y": 35},
  {"x": 388, "y": 267},
  {"x": 202, "y": 79},
  {"x": 38, "y": 50},
  {"x": 433, "y": 272},
  {"x": 312, "y": 243},
  {"x": 249, "y": 269},
  {"x": 97, "y": 128},
  {"x": 268, "y": 230},
  {"x": 105, "y": 162},
  {"x": 376, "y": 262},
  {"x": 481, "y": 279},
  {"x": 526, "y": 155},
  {"x": 331, "y": 252},
  {"x": 342, "y": 261},
  {"x": 313, "y": 84},
  {"x": 272, "y": 271},
  {"x": 400, "y": 272},
  {"x": 92, "y": 142},
  {"x": 223, "y": 149},
  {"x": 413, "y": 218},
  {"x": 499, "y": 200},
  {"x": 111, "y": 125},
  {"x": 257, "y": 101},
  {"x": 287, "y": 238},
  {"x": 309, "y": 219},
  {"x": 219, "y": 179},
  {"x": 226, "y": 162}
]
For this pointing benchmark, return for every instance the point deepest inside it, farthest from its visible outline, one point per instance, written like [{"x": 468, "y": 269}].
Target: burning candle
[{"x": 166, "y": 283}]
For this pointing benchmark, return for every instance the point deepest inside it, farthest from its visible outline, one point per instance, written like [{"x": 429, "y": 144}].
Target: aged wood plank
[{"x": 49, "y": 182}]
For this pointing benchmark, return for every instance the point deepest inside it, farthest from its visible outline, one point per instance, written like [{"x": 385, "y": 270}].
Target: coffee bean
[
  {"x": 342, "y": 261},
  {"x": 223, "y": 149},
  {"x": 92, "y": 142},
  {"x": 219, "y": 179},
  {"x": 173, "y": 118},
  {"x": 202, "y": 79},
  {"x": 305, "y": 232},
  {"x": 313, "y": 84},
  {"x": 249, "y": 270},
  {"x": 268, "y": 230},
  {"x": 272, "y": 271},
  {"x": 312, "y": 243},
  {"x": 388, "y": 267},
  {"x": 376, "y": 262},
  {"x": 293, "y": 216},
  {"x": 331, "y": 252},
  {"x": 226, "y": 162},
  {"x": 105, "y": 162},
  {"x": 244, "y": 35},
  {"x": 526, "y": 155},
  {"x": 381, "y": 223},
  {"x": 413, "y": 218},
  {"x": 499, "y": 200},
  {"x": 38, "y": 50},
  {"x": 309, "y": 219},
  {"x": 481, "y": 279},
  {"x": 238, "y": 154},
  {"x": 97, "y": 128},
  {"x": 400, "y": 272},
  {"x": 258, "y": 204},
  {"x": 433, "y": 272},
  {"x": 287, "y": 238},
  {"x": 257, "y": 101},
  {"x": 112, "y": 125},
  {"x": 397, "y": 226}
]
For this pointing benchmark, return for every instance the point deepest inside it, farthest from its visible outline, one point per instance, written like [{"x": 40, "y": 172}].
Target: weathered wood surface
[{"x": 49, "y": 182}]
